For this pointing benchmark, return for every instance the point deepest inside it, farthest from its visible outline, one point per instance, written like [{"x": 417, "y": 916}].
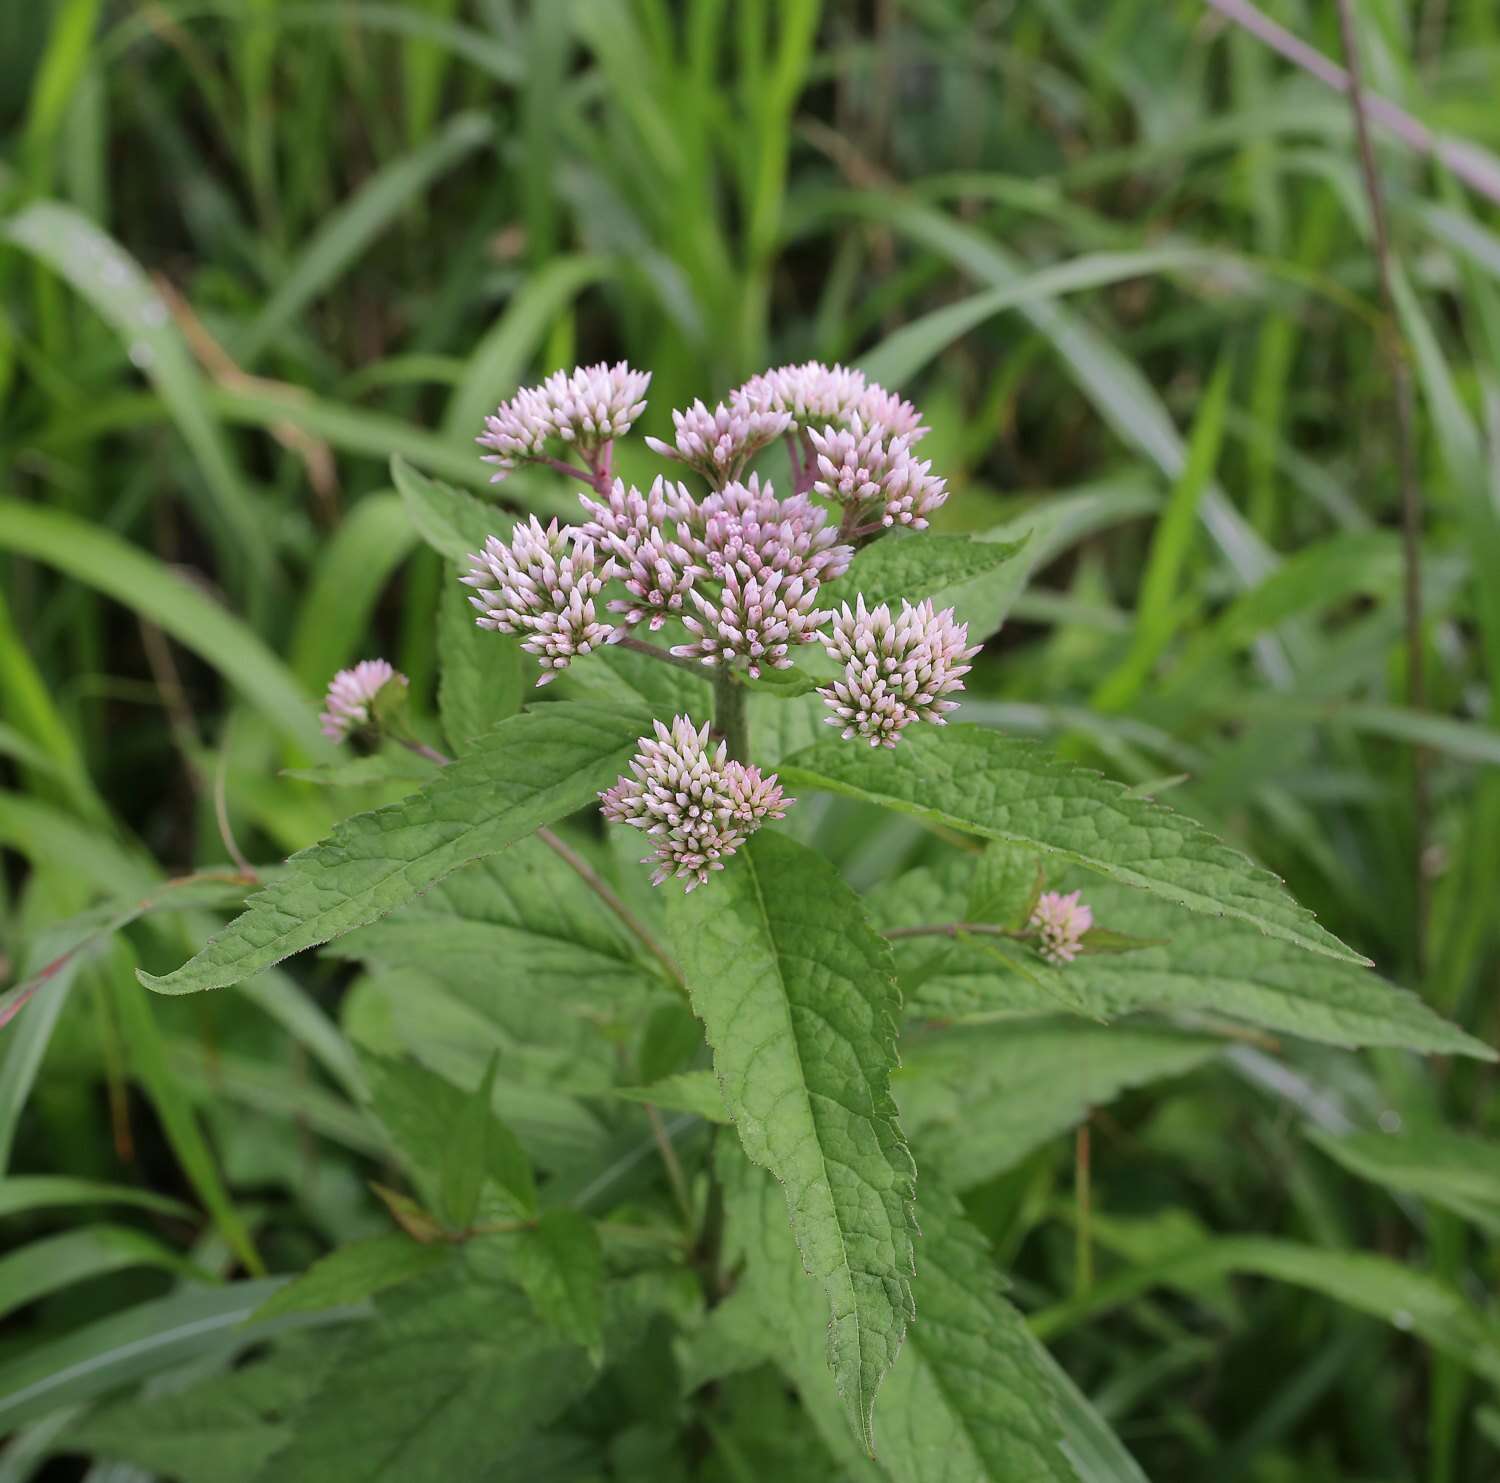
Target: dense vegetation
[{"x": 265, "y": 267}]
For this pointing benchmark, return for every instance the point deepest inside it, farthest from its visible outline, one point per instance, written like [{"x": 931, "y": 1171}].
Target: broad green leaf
[
  {"x": 967, "y": 1399},
  {"x": 453, "y": 523},
  {"x": 421, "y": 1111},
  {"x": 697, "y": 1092},
  {"x": 464, "y": 1158},
  {"x": 54, "y": 1262},
  {"x": 352, "y": 1273},
  {"x": 978, "y": 579},
  {"x": 976, "y": 1100},
  {"x": 636, "y": 680},
  {"x": 1004, "y": 788},
  {"x": 559, "y": 1264},
  {"x": 483, "y": 679},
  {"x": 25, "y": 1192},
  {"x": 799, "y": 1000},
  {"x": 528, "y": 772},
  {"x": 392, "y": 764},
  {"x": 450, "y": 1376},
  {"x": 1458, "y": 1172}
]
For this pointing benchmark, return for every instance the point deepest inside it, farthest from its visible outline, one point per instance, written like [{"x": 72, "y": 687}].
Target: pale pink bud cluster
[
  {"x": 875, "y": 474},
  {"x": 636, "y": 533},
  {"x": 896, "y": 670},
  {"x": 816, "y": 395},
  {"x": 745, "y": 525},
  {"x": 718, "y": 443},
  {"x": 1061, "y": 922},
  {"x": 351, "y": 696},
  {"x": 758, "y": 619},
  {"x": 695, "y": 803},
  {"x": 585, "y": 408},
  {"x": 543, "y": 585}
]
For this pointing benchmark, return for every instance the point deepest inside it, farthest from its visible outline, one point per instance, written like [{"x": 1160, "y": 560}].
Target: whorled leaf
[
  {"x": 799, "y": 999},
  {"x": 527, "y": 772},
  {"x": 999, "y": 787}
]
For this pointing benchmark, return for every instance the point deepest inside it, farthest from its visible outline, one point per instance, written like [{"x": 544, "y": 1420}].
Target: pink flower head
[
  {"x": 896, "y": 670},
  {"x": 875, "y": 473},
  {"x": 585, "y": 408},
  {"x": 543, "y": 585},
  {"x": 746, "y": 526},
  {"x": 351, "y": 696},
  {"x": 719, "y": 443},
  {"x": 898, "y": 417},
  {"x": 1060, "y": 922},
  {"x": 809, "y": 393},
  {"x": 697, "y": 805},
  {"x": 635, "y": 532},
  {"x": 757, "y": 619}
]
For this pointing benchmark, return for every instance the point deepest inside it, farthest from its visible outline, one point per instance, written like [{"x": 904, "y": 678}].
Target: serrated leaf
[
  {"x": 968, "y": 1401},
  {"x": 697, "y": 1092},
  {"x": 352, "y": 1273},
  {"x": 977, "y": 1100},
  {"x": 392, "y": 765},
  {"x": 449, "y": 1378},
  {"x": 1013, "y": 790},
  {"x": 421, "y": 1111},
  {"x": 978, "y": 579},
  {"x": 638, "y": 681},
  {"x": 482, "y": 681},
  {"x": 799, "y": 1000},
  {"x": 1458, "y": 1172},
  {"x": 529, "y": 771},
  {"x": 559, "y": 1264},
  {"x": 452, "y": 522}
]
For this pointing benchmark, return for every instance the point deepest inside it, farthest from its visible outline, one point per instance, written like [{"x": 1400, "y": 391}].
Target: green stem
[{"x": 731, "y": 720}]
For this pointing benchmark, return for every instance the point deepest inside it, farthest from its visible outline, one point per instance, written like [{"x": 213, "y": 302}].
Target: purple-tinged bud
[
  {"x": 719, "y": 443},
  {"x": 1061, "y": 922},
  {"x": 746, "y": 526},
  {"x": 874, "y": 473},
  {"x": 635, "y": 533},
  {"x": 897, "y": 416},
  {"x": 811, "y": 393},
  {"x": 697, "y": 806},
  {"x": 584, "y": 408},
  {"x": 896, "y": 670},
  {"x": 542, "y": 585},
  {"x": 351, "y": 696},
  {"x": 757, "y": 619}
]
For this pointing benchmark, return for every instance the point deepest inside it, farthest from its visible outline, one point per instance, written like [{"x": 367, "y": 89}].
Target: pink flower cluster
[
  {"x": 351, "y": 695},
  {"x": 896, "y": 670},
  {"x": 718, "y": 444},
  {"x": 586, "y": 408},
  {"x": 813, "y": 395},
  {"x": 695, "y": 803},
  {"x": 1060, "y": 923},
  {"x": 874, "y": 475}
]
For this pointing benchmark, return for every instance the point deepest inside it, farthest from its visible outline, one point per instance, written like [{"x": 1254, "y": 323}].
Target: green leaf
[
  {"x": 977, "y": 1100},
  {"x": 978, "y": 579},
  {"x": 482, "y": 681},
  {"x": 26, "y": 1192},
  {"x": 54, "y": 1262},
  {"x": 453, "y": 523},
  {"x": 529, "y": 771},
  {"x": 464, "y": 1161},
  {"x": 559, "y": 1264},
  {"x": 451, "y": 1377},
  {"x": 421, "y": 1111},
  {"x": 799, "y": 1000},
  {"x": 392, "y": 764},
  {"x": 697, "y": 1092},
  {"x": 1457, "y": 1172},
  {"x": 967, "y": 1398},
  {"x": 1003, "y": 788},
  {"x": 355, "y": 1272}
]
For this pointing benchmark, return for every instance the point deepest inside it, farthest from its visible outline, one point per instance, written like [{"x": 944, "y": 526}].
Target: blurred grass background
[{"x": 1120, "y": 255}]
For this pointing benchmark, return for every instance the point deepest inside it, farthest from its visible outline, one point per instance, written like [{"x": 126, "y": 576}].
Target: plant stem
[
  {"x": 731, "y": 721},
  {"x": 955, "y": 929},
  {"x": 665, "y": 656},
  {"x": 1411, "y": 493},
  {"x": 1084, "y": 1250},
  {"x": 675, "y": 1177}
]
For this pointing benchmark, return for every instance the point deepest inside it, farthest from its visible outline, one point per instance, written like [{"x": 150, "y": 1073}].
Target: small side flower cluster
[
  {"x": 543, "y": 585},
  {"x": 1060, "y": 923},
  {"x": 695, "y": 803},
  {"x": 585, "y": 409},
  {"x": 719, "y": 443},
  {"x": 896, "y": 670},
  {"x": 875, "y": 476},
  {"x": 350, "y": 701},
  {"x": 813, "y": 395}
]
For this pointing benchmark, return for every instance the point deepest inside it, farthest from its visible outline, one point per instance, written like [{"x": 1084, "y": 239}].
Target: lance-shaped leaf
[
  {"x": 527, "y": 772},
  {"x": 799, "y": 999},
  {"x": 1001, "y": 787}
]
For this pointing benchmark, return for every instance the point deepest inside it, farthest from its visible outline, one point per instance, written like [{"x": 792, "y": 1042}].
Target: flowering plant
[{"x": 531, "y": 1015}]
